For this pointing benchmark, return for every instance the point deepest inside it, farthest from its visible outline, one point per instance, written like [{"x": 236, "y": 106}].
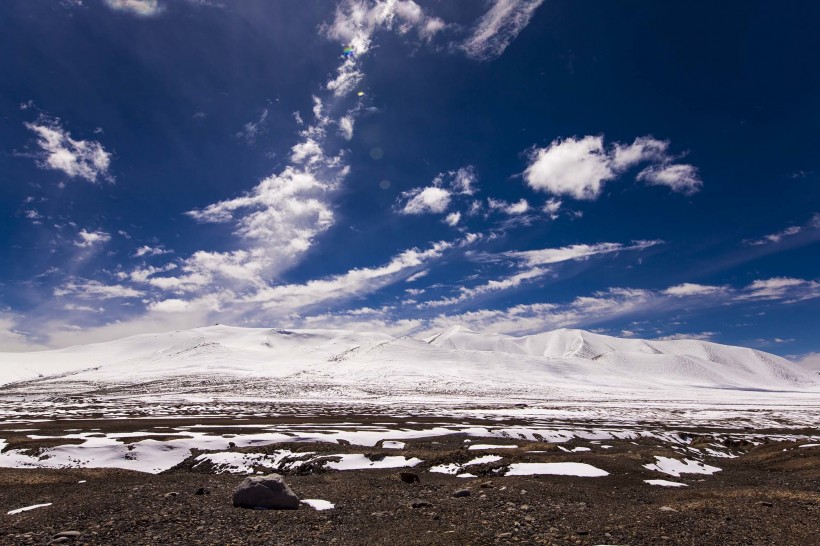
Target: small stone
[
  {"x": 68, "y": 534},
  {"x": 202, "y": 491},
  {"x": 667, "y": 509},
  {"x": 409, "y": 477},
  {"x": 171, "y": 495},
  {"x": 503, "y": 535},
  {"x": 420, "y": 504},
  {"x": 765, "y": 503},
  {"x": 461, "y": 493},
  {"x": 487, "y": 485}
]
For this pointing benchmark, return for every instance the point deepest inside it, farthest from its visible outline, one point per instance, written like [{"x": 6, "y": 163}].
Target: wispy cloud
[
  {"x": 692, "y": 289},
  {"x": 436, "y": 198},
  {"x": 812, "y": 225},
  {"x": 95, "y": 290},
  {"x": 88, "y": 239},
  {"x": 530, "y": 266},
  {"x": 497, "y": 28},
  {"x": 251, "y": 130},
  {"x": 786, "y": 289},
  {"x": 147, "y": 250},
  {"x": 143, "y": 8},
  {"x": 86, "y": 159},
  {"x": 702, "y": 336}
]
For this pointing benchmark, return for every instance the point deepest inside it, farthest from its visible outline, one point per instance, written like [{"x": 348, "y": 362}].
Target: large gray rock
[{"x": 269, "y": 492}]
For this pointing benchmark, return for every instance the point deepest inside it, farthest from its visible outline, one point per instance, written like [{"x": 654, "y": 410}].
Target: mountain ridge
[{"x": 567, "y": 358}]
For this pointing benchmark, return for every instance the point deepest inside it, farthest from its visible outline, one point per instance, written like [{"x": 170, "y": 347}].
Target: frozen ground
[{"x": 221, "y": 387}]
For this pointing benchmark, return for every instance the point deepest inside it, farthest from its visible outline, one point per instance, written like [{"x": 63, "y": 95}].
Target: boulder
[{"x": 266, "y": 492}]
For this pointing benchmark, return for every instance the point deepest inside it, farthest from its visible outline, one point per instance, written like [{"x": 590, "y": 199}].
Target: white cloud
[
  {"x": 85, "y": 289},
  {"x": 776, "y": 237},
  {"x": 203, "y": 270},
  {"x": 497, "y": 28},
  {"x": 680, "y": 178},
  {"x": 508, "y": 208},
  {"x": 701, "y": 336},
  {"x": 282, "y": 215},
  {"x": 574, "y": 167},
  {"x": 547, "y": 256},
  {"x": 579, "y": 167},
  {"x": 346, "y": 127},
  {"x": 85, "y": 159},
  {"x": 88, "y": 239},
  {"x": 531, "y": 264},
  {"x": 691, "y": 289},
  {"x": 539, "y": 317},
  {"x": 788, "y": 289},
  {"x": 436, "y": 198},
  {"x": 452, "y": 219},
  {"x": 425, "y": 200},
  {"x": 206, "y": 304},
  {"x": 463, "y": 180},
  {"x": 551, "y": 207},
  {"x": 352, "y": 283},
  {"x": 812, "y": 224},
  {"x": 417, "y": 276},
  {"x": 505, "y": 283},
  {"x": 83, "y": 308},
  {"x": 356, "y": 21},
  {"x": 642, "y": 150},
  {"x": 146, "y": 250},
  {"x": 143, "y": 8}
]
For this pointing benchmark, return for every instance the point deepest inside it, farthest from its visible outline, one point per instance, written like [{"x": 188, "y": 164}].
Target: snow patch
[
  {"x": 319, "y": 504},
  {"x": 665, "y": 483},
  {"x": 674, "y": 467},
  {"x": 556, "y": 469},
  {"x": 27, "y": 508}
]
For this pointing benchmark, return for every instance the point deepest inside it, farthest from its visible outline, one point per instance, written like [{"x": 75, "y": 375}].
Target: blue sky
[{"x": 640, "y": 169}]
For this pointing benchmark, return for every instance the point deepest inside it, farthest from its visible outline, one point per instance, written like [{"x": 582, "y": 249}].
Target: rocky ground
[{"x": 768, "y": 495}]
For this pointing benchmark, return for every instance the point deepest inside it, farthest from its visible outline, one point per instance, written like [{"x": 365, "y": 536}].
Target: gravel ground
[{"x": 769, "y": 495}]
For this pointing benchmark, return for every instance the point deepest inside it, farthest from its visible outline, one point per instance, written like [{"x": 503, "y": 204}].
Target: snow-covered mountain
[{"x": 319, "y": 363}]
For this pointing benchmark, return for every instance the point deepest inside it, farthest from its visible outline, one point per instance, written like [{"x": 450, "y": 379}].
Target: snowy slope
[{"x": 317, "y": 363}]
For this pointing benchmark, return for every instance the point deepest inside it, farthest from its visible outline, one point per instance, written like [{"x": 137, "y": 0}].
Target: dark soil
[{"x": 765, "y": 496}]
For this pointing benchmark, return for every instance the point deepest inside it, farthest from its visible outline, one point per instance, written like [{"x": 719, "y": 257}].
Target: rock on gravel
[
  {"x": 461, "y": 493},
  {"x": 409, "y": 477},
  {"x": 269, "y": 492}
]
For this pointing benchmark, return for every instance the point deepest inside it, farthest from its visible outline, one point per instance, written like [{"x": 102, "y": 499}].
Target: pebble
[
  {"x": 171, "y": 495},
  {"x": 667, "y": 509},
  {"x": 68, "y": 534},
  {"x": 420, "y": 504},
  {"x": 461, "y": 493}
]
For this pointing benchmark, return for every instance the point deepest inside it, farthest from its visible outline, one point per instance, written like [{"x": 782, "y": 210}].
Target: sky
[{"x": 638, "y": 169}]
